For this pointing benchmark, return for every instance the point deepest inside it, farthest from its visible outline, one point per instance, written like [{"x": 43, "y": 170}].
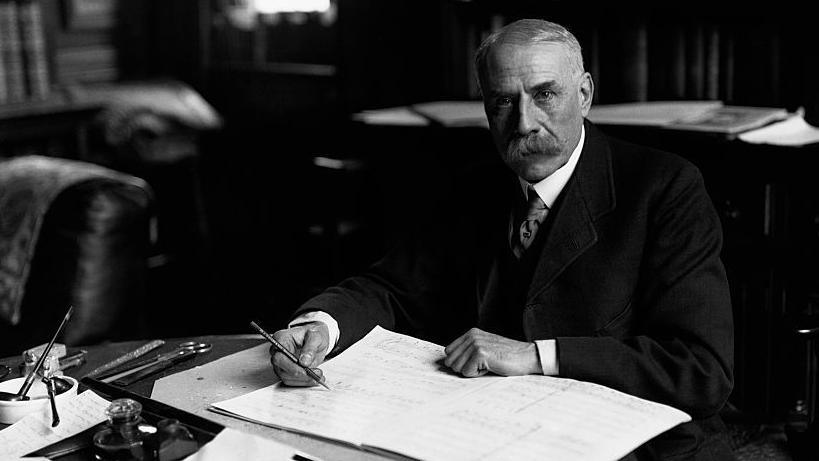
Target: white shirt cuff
[
  {"x": 547, "y": 351},
  {"x": 323, "y": 317}
]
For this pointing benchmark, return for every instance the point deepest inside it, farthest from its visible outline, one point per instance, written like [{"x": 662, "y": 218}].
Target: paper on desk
[
  {"x": 454, "y": 113},
  {"x": 531, "y": 417},
  {"x": 27, "y": 458},
  {"x": 390, "y": 393},
  {"x": 380, "y": 376},
  {"x": 397, "y": 116},
  {"x": 34, "y": 431},
  {"x": 193, "y": 390},
  {"x": 233, "y": 444},
  {"x": 794, "y": 131},
  {"x": 654, "y": 113}
]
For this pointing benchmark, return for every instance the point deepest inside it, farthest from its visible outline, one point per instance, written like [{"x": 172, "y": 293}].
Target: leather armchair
[{"x": 90, "y": 251}]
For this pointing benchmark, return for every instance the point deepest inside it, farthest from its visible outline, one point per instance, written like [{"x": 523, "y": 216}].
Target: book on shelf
[
  {"x": 11, "y": 52},
  {"x": 4, "y": 91},
  {"x": 34, "y": 51},
  {"x": 24, "y": 66},
  {"x": 87, "y": 64},
  {"x": 390, "y": 394}
]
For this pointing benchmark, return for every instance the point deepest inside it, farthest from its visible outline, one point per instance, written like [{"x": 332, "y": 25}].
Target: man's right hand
[{"x": 309, "y": 343}]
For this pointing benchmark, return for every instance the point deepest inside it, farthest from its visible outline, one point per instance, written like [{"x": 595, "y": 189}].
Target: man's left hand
[{"x": 477, "y": 352}]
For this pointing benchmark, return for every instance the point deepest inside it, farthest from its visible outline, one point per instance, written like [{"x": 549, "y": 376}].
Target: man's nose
[{"x": 527, "y": 120}]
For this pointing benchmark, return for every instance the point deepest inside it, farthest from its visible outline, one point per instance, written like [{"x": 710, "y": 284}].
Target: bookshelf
[
  {"x": 46, "y": 47},
  {"x": 25, "y": 73}
]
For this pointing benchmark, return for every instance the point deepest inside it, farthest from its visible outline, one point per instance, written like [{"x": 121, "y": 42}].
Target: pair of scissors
[
  {"x": 182, "y": 352},
  {"x": 185, "y": 349}
]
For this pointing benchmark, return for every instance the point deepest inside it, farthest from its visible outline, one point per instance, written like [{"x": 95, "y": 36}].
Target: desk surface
[
  {"x": 222, "y": 347},
  {"x": 103, "y": 353}
]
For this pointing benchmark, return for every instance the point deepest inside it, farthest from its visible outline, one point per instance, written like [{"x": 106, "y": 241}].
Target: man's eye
[
  {"x": 544, "y": 96},
  {"x": 503, "y": 101}
]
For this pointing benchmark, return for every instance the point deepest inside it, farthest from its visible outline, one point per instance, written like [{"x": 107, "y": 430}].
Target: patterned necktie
[{"x": 535, "y": 214}]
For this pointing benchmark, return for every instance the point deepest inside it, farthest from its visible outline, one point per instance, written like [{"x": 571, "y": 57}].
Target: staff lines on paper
[
  {"x": 453, "y": 435},
  {"x": 569, "y": 408},
  {"x": 389, "y": 392}
]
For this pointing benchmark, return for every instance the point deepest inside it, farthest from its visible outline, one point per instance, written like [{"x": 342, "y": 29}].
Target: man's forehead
[
  {"x": 544, "y": 54},
  {"x": 529, "y": 64}
]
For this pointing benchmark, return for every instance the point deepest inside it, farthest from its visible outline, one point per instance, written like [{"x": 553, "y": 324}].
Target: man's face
[{"x": 535, "y": 105}]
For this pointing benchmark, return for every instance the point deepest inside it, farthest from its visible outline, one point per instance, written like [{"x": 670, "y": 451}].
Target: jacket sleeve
[
  {"x": 681, "y": 349},
  {"x": 398, "y": 292}
]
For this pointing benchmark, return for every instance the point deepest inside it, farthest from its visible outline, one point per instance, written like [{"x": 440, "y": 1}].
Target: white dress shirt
[{"x": 548, "y": 189}]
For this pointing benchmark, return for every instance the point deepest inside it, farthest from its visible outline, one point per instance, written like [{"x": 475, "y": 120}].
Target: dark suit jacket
[{"x": 628, "y": 280}]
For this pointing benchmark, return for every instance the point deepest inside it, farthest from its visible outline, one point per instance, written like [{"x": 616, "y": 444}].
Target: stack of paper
[
  {"x": 730, "y": 119},
  {"x": 394, "y": 116},
  {"x": 454, "y": 113},
  {"x": 390, "y": 393},
  {"x": 706, "y": 116},
  {"x": 444, "y": 113},
  {"x": 655, "y": 113},
  {"x": 233, "y": 444},
  {"x": 794, "y": 131}
]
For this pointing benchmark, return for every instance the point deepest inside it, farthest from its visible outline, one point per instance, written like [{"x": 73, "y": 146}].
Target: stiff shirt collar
[{"x": 550, "y": 187}]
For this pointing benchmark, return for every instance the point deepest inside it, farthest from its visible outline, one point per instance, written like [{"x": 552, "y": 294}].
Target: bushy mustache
[{"x": 526, "y": 145}]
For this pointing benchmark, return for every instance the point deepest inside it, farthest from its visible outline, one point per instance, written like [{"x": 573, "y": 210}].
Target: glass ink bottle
[
  {"x": 126, "y": 437},
  {"x": 175, "y": 441}
]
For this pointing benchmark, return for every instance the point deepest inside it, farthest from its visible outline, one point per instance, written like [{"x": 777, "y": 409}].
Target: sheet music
[
  {"x": 390, "y": 393},
  {"x": 382, "y": 375},
  {"x": 233, "y": 444},
  {"x": 34, "y": 431},
  {"x": 531, "y": 418}
]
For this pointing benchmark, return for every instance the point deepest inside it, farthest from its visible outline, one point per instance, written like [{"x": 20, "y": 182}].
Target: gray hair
[{"x": 531, "y": 31}]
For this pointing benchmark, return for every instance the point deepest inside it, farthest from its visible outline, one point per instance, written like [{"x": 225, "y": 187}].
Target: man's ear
[{"x": 586, "y": 93}]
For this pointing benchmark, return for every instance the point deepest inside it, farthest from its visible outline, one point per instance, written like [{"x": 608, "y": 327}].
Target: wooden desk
[
  {"x": 222, "y": 347},
  {"x": 103, "y": 353}
]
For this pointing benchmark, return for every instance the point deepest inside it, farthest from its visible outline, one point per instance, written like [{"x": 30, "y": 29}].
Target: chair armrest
[{"x": 91, "y": 253}]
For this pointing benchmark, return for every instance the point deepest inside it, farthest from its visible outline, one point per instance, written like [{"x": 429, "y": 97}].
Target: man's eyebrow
[
  {"x": 547, "y": 85},
  {"x": 497, "y": 93},
  {"x": 552, "y": 85}
]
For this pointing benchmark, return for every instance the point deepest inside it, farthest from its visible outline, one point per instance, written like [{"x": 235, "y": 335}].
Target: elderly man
[{"x": 587, "y": 258}]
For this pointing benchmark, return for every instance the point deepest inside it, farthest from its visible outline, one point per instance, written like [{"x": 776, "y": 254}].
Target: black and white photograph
[{"x": 432, "y": 230}]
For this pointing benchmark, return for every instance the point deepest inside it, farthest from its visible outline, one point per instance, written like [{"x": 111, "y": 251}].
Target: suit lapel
[{"x": 588, "y": 195}]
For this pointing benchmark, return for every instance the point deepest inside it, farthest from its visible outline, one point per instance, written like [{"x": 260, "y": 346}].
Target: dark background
[{"x": 250, "y": 226}]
